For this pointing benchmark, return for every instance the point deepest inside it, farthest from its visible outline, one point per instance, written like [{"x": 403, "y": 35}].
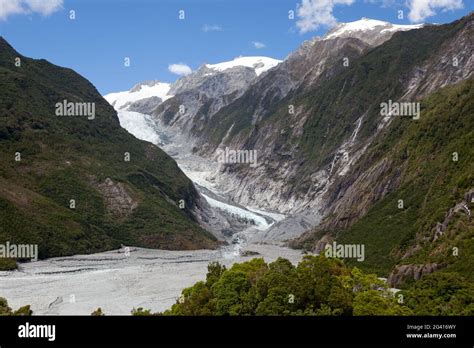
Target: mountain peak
[
  {"x": 148, "y": 83},
  {"x": 372, "y": 31},
  {"x": 141, "y": 91},
  {"x": 259, "y": 63}
]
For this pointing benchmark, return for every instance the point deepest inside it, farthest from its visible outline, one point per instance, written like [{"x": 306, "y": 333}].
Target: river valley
[{"x": 120, "y": 280}]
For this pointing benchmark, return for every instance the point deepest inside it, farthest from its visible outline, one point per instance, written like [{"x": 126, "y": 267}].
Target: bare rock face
[
  {"x": 144, "y": 106},
  {"x": 320, "y": 245},
  {"x": 440, "y": 228},
  {"x": 349, "y": 203},
  {"x": 215, "y": 83},
  {"x": 289, "y": 228},
  {"x": 117, "y": 200},
  {"x": 404, "y": 272},
  {"x": 453, "y": 62},
  {"x": 200, "y": 95},
  {"x": 148, "y": 83},
  {"x": 469, "y": 196}
]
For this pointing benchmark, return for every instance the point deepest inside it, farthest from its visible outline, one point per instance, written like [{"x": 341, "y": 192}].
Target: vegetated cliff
[
  {"x": 49, "y": 160},
  {"x": 409, "y": 198}
]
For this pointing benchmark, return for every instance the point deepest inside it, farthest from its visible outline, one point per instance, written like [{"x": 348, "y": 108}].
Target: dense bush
[
  {"x": 6, "y": 310},
  {"x": 441, "y": 294},
  {"x": 317, "y": 286}
]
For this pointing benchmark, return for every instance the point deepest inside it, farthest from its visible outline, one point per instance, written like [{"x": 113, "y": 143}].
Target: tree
[
  {"x": 374, "y": 302},
  {"x": 23, "y": 311},
  {"x": 4, "y": 308},
  {"x": 214, "y": 272},
  {"x": 441, "y": 293},
  {"x": 140, "y": 311},
  {"x": 318, "y": 286},
  {"x": 98, "y": 313},
  {"x": 229, "y": 292}
]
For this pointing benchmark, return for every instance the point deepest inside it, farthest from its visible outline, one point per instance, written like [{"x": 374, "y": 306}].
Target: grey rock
[
  {"x": 144, "y": 106},
  {"x": 404, "y": 272}
]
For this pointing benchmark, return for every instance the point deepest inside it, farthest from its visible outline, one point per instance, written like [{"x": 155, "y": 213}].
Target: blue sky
[{"x": 151, "y": 34}]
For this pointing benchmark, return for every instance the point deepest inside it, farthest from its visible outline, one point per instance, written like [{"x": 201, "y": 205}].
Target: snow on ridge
[
  {"x": 154, "y": 88},
  {"x": 400, "y": 27},
  {"x": 259, "y": 64},
  {"x": 159, "y": 89},
  {"x": 367, "y": 24}
]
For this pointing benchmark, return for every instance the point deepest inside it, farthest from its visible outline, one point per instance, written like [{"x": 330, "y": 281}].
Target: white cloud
[
  {"x": 422, "y": 9},
  {"x": 315, "y": 13},
  {"x": 9, "y": 7},
  {"x": 207, "y": 27},
  {"x": 180, "y": 69},
  {"x": 43, "y": 7},
  {"x": 384, "y": 3},
  {"x": 258, "y": 45}
]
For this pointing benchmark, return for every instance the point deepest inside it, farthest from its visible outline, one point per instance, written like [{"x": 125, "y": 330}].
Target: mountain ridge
[{"x": 83, "y": 159}]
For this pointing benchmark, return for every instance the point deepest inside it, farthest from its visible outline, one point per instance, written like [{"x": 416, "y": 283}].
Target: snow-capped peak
[
  {"x": 259, "y": 64},
  {"x": 148, "y": 83},
  {"x": 367, "y": 26},
  {"x": 140, "y": 91}
]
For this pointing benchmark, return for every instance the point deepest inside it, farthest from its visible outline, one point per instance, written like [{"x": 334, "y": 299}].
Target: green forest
[{"x": 317, "y": 286}]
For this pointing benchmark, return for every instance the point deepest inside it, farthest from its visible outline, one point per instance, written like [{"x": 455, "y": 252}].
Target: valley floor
[{"x": 152, "y": 279}]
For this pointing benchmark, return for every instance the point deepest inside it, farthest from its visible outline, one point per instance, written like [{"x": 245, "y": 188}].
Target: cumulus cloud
[
  {"x": 313, "y": 14},
  {"x": 43, "y": 7},
  {"x": 258, "y": 45},
  {"x": 10, "y": 7},
  {"x": 385, "y": 3},
  {"x": 422, "y": 9},
  {"x": 214, "y": 27},
  {"x": 180, "y": 69}
]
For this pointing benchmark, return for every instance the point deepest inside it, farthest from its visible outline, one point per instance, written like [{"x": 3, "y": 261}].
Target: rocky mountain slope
[
  {"x": 198, "y": 96},
  {"x": 80, "y": 183},
  {"x": 409, "y": 198},
  {"x": 182, "y": 105},
  {"x": 239, "y": 118},
  {"x": 203, "y": 93},
  {"x": 309, "y": 136}
]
